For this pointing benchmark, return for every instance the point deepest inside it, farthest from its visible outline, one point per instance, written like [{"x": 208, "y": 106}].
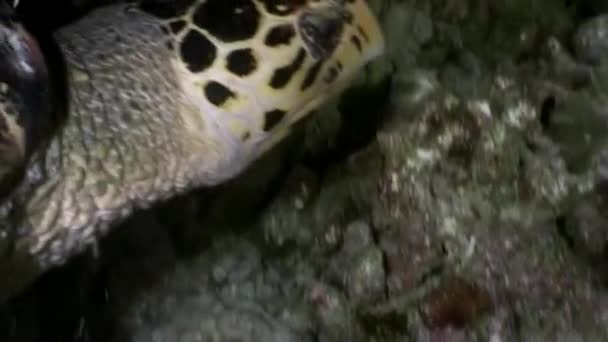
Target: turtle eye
[{"x": 321, "y": 31}]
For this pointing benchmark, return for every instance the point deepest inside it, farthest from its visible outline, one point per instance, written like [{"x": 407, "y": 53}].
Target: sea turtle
[{"x": 137, "y": 102}]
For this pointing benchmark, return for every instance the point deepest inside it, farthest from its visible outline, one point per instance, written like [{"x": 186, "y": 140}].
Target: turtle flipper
[{"x": 24, "y": 96}]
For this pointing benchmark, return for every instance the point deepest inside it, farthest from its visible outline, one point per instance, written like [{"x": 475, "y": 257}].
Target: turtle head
[
  {"x": 24, "y": 98},
  {"x": 251, "y": 69},
  {"x": 313, "y": 48},
  {"x": 269, "y": 63}
]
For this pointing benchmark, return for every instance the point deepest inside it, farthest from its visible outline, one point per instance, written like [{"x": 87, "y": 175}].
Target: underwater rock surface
[{"x": 458, "y": 192}]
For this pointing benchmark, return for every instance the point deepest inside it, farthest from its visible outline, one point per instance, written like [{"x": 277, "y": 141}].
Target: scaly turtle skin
[{"x": 157, "y": 99}]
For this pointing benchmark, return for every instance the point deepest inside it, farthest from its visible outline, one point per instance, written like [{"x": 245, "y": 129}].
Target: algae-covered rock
[{"x": 457, "y": 192}]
